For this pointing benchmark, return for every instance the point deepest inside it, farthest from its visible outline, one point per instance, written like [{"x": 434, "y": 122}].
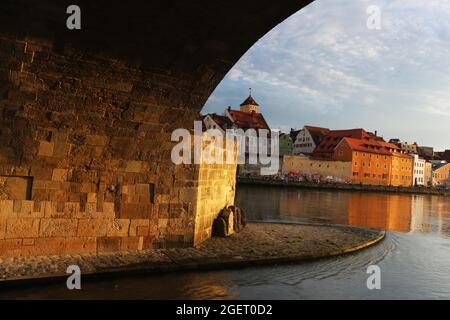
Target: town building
[
  {"x": 247, "y": 117},
  {"x": 308, "y": 138},
  {"x": 215, "y": 121},
  {"x": 441, "y": 174},
  {"x": 249, "y": 105},
  {"x": 316, "y": 169},
  {"x": 401, "y": 169},
  {"x": 428, "y": 174},
  {"x": 426, "y": 152},
  {"x": 326, "y": 148},
  {"x": 374, "y": 161},
  {"x": 418, "y": 171},
  {"x": 405, "y": 146},
  {"x": 371, "y": 161},
  {"x": 444, "y": 155},
  {"x": 286, "y": 144}
]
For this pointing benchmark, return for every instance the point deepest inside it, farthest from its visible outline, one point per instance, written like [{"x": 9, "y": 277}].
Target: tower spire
[{"x": 250, "y": 105}]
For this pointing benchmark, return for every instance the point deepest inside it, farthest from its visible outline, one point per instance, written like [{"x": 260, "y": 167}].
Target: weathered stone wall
[
  {"x": 86, "y": 118},
  {"x": 93, "y": 139},
  {"x": 340, "y": 170},
  {"x": 216, "y": 190}
]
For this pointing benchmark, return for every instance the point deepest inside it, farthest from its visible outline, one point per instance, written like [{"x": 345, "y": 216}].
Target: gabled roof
[
  {"x": 250, "y": 101},
  {"x": 247, "y": 120},
  {"x": 325, "y": 148},
  {"x": 317, "y": 133},
  {"x": 372, "y": 145},
  {"x": 222, "y": 121}
]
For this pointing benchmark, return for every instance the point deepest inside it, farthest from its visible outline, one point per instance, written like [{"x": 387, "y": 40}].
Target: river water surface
[{"x": 414, "y": 258}]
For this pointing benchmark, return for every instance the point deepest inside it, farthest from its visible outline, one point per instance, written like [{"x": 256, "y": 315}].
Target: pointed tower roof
[{"x": 249, "y": 101}]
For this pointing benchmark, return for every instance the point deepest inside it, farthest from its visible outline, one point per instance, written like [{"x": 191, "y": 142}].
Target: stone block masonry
[
  {"x": 85, "y": 157},
  {"x": 86, "y": 114}
]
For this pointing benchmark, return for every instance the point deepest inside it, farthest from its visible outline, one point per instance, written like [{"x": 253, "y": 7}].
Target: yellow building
[
  {"x": 249, "y": 105},
  {"x": 428, "y": 173},
  {"x": 401, "y": 169},
  {"x": 338, "y": 171},
  {"x": 441, "y": 174}
]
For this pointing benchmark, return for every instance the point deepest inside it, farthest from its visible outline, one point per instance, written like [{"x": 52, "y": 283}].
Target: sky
[{"x": 324, "y": 66}]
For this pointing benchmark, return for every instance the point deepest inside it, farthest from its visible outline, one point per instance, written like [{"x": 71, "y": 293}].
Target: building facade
[
  {"x": 308, "y": 139},
  {"x": 247, "y": 117},
  {"x": 317, "y": 169},
  {"x": 428, "y": 174},
  {"x": 370, "y": 162},
  {"x": 418, "y": 171},
  {"x": 405, "y": 146},
  {"x": 441, "y": 174},
  {"x": 286, "y": 144},
  {"x": 374, "y": 161},
  {"x": 215, "y": 121},
  {"x": 402, "y": 169}
]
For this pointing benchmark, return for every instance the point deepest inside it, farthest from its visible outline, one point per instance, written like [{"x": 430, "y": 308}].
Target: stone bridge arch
[{"x": 86, "y": 118}]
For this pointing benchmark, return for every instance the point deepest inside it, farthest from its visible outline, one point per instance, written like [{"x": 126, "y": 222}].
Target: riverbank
[
  {"x": 257, "y": 244},
  {"x": 342, "y": 186}
]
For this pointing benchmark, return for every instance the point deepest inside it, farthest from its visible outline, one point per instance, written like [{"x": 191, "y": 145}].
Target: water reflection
[
  {"x": 396, "y": 212},
  {"x": 415, "y": 261}
]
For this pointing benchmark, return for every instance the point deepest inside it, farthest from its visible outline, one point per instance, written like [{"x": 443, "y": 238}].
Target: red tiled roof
[
  {"x": 371, "y": 145},
  {"x": 223, "y": 121},
  {"x": 247, "y": 120},
  {"x": 326, "y": 147},
  {"x": 368, "y": 145}
]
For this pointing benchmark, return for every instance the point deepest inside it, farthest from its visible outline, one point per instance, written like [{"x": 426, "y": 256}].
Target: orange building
[
  {"x": 375, "y": 161},
  {"x": 402, "y": 169},
  {"x": 328, "y": 144},
  {"x": 441, "y": 174},
  {"x": 371, "y": 163}
]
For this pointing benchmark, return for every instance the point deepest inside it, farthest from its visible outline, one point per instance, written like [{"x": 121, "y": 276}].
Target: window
[{"x": 355, "y": 174}]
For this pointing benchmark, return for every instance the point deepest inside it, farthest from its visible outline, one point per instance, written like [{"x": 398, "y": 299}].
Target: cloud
[{"x": 324, "y": 66}]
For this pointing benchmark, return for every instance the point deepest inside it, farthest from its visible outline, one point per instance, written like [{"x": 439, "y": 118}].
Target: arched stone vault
[{"x": 86, "y": 118}]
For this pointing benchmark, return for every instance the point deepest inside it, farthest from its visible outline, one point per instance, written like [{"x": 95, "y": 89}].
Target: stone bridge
[{"x": 87, "y": 116}]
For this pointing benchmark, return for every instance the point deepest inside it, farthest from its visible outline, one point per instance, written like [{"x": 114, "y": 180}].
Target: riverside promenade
[
  {"x": 342, "y": 186},
  {"x": 259, "y": 243}
]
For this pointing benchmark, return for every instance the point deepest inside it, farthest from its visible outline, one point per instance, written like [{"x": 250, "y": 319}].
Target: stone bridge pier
[{"x": 86, "y": 118}]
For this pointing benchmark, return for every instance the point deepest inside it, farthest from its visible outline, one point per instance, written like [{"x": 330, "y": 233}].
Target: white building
[
  {"x": 418, "y": 171},
  {"x": 308, "y": 139}
]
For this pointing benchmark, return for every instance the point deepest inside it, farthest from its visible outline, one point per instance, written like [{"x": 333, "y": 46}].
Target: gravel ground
[{"x": 258, "y": 243}]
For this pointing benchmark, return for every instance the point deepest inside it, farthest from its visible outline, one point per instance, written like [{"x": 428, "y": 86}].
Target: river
[{"x": 414, "y": 259}]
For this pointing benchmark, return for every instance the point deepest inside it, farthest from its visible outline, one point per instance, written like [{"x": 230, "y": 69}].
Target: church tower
[{"x": 250, "y": 105}]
